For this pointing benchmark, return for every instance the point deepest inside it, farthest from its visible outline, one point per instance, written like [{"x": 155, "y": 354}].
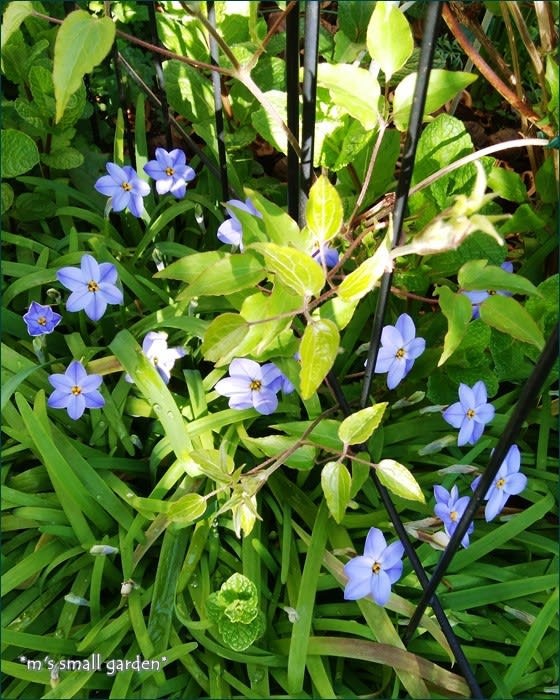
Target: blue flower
[
  {"x": 124, "y": 187},
  {"x": 449, "y": 508},
  {"x": 470, "y": 414},
  {"x": 477, "y": 297},
  {"x": 399, "y": 349},
  {"x": 170, "y": 171},
  {"x": 251, "y": 386},
  {"x": 92, "y": 286},
  {"x": 75, "y": 390},
  {"x": 372, "y": 574},
  {"x": 327, "y": 255},
  {"x": 41, "y": 319},
  {"x": 231, "y": 231},
  {"x": 507, "y": 482},
  {"x": 163, "y": 358},
  {"x": 282, "y": 383}
]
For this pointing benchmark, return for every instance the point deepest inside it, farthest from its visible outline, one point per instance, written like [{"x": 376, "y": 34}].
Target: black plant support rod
[
  {"x": 218, "y": 106},
  {"x": 414, "y": 128},
  {"x": 292, "y": 88},
  {"x": 525, "y": 402},
  {"x": 311, "y": 45}
]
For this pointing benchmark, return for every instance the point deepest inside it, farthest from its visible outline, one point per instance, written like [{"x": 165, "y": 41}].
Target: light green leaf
[
  {"x": 507, "y": 184},
  {"x": 398, "y": 479},
  {"x": 223, "y": 338},
  {"x": 336, "y": 483},
  {"x": 267, "y": 126},
  {"x": 323, "y": 210},
  {"x": 361, "y": 425},
  {"x": 273, "y": 445},
  {"x": 294, "y": 268},
  {"x": 364, "y": 278},
  {"x": 477, "y": 275},
  {"x": 279, "y": 226},
  {"x": 318, "y": 349},
  {"x": 443, "y": 86},
  {"x": 336, "y": 310},
  {"x": 82, "y": 42},
  {"x": 457, "y": 309},
  {"x": 507, "y": 315},
  {"x": 19, "y": 153},
  {"x": 230, "y": 274},
  {"x": 187, "y": 269},
  {"x": 213, "y": 463},
  {"x": 353, "y": 89},
  {"x": 187, "y": 509},
  {"x": 7, "y": 197},
  {"x": 389, "y": 38},
  {"x": 14, "y": 15}
]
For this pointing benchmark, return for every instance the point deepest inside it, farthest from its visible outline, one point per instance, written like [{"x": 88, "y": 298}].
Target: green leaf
[
  {"x": 336, "y": 310},
  {"x": 364, "y": 278},
  {"x": 187, "y": 269},
  {"x": 507, "y": 315},
  {"x": 267, "y": 126},
  {"x": 63, "y": 158},
  {"x": 353, "y": 89},
  {"x": 398, "y": 479},
  {"x": 507, "y": 184},
  {"x": 294, "y": 268},
  {"x": 457, "y": 309},
  {"x": 240, "y": 636},
  {"x": 82, "y": 42},
  {"x": 213, "y": 463},
  {"x": 323, "y": 210},
  {"x": 361, "y": 425},
  {"x": 389, "y": 38},
  {"x": 223, "y": 338},
  {"x": 443, "y": 86},
  {"x": 279, "y": 226},
  {"x": 7, "y": 197},
  {"x": 477, "y": 275},
  {"x": 19, "y": 153},
  {"x": 336, "y": 483},
  {"x": 274, "y": 445},
  {"x": 14, "y": 14},
  {"x": 318, "y": 349},
  {"x": 187, "y": 509},
  {"x": 524, "y": 219},
  {"x": 230, "y": 274}
]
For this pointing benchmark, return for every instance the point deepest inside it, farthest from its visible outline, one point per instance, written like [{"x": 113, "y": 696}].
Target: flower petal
[
  {"x": 72, "y": 278},
  {"x": 455, "y": 415},
  {"x": 495, "y": 505},
  {"x": 392, "y": 555},
  {"x": 94, "y": 399},
  {"x": 110, "y": 294},
  {"x": 380, "y": 588},
  {"x": 484, "y": 413},
  {"x": 265, "y": 401},
  {"x": 90, "y": 268},
  {"x": 59, "y": 398},
  {"x": 466, "y": 397},
  {"x": 515, "y": 483},
  {"x": 480, "y": 394},
  {"x": 405, "y": 326},
  {"x": 375, "y": 544},
  {"x": 359, "y": 575},
  {"x": 76, "y": 406},
  {"x": 107, "y": 273},
  {"x": 396, "y": 372},
  {"x": 79, "y": 299},
  {"x": 466, "y": 433},
  {"x": 96, "y": 306},
  {"x": 107, "y": 186},
  {"x": 246, "y": 369}
]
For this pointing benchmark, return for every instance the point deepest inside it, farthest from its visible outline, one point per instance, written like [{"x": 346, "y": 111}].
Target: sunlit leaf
[
  {"x": 398, "y": 479},
  {"x": 336, "y": 483},
  {"x": 360, "y": 426},
  {"x": 318, "y": 350}
]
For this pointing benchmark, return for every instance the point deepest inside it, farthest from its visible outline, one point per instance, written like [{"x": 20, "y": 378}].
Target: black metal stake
[
  {"x": 311, "y": 45},
  {"x": 160, "y": 81},
  {"x": 292, "y": 88},
  {"x": 218, "y": 105}
]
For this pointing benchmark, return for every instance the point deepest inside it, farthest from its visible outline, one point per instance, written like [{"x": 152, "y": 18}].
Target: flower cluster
[
  {"x": 508, "y": 481},
  {"x": 93, "y": 286},
  {"x": 251, "y": 385},
  {"x": 371, "y": 575},
  {"x": 163, "y": 358},
  {"x": 126, "y": 190},
  {"x": 399, "y": 349}
]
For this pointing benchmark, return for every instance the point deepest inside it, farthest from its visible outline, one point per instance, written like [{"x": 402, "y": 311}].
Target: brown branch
[{"x": 490, "y": 75}]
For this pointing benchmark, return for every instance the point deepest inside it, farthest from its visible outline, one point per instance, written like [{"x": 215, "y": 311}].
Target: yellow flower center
[
  {"x": 169, "y": 171},
  {"x": 76, "y": 390},
  {"x": 491, "y": 292},
  {"x": 471, "y": 413},
  {"x": 255, "y": 385},
  {"x": 500, "y": 483},
  {"x": 155, "y": 360},
  {"x": 453, "y": 515},
  {"x": 400, "y": 353},
  {"x": 92, "y": 286},
  {"x": 376, "y": 568},
  {"x": 42, "y": 321},
  {"x": 126, "y": 186}
]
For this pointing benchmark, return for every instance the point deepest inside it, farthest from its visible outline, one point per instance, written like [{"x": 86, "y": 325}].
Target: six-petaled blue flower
[
  {"x": 449, "y": 508},
  {"x": 251, "y": 386},
  {"x": 124, "y": 187},
  {"x": 92, "y": 286},
  {"x": 231, "y": 231},
  {"x": 477, "y": 297},
  {"x": 326, "y": 255},
  {"x": 75, "y": 390},
  {"x": 372, "y": 574},
  {"x": 41, "y": 319},
  {"x": 507, "y": 482},
  {"x": 163, "y": 358},
  {"x": 170, "y": 171},
  {"x": 399, "y": 348},
  {"x": 470, "y": 414}
]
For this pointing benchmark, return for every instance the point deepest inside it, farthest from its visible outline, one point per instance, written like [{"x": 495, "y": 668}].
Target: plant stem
[{"x": 490, "y": 75}]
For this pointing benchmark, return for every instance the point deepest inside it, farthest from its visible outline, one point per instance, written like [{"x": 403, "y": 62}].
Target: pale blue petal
[
  {"x": 392, "y": 555},
  {"x": 484, "y": 413},
  {"x": 96, "y": 307},
  {"x": 380, "y": 588},
  {"x": 441, "y": 494},
  {"x": 415, "y": 348},
  {"x": 163, "y": 185},
  {"x": 94, "y": 399},
  {"x": 455, "y": 415},
  {"x": 396, "y": 372},
  {"x": 59, "y": 399},
  {"x": 90, "y": 383},
  {"x": 466, "y": 396},
  {"x": 118, "y": 174},
  {"x": 466, "y": 433},
  {"x": 405, "y": 326},
  {"x": 375, "y": 544},
  {"x": 479, "y": 391},
  {"x": 391, "y": 337},
  {"x": 478, "y": 429},
  {"x": 72, "y": 278},
  {"x": 395, "y": 572},
  {"x": 359, "y": 575},
  {"x": 120, "y": 200},
  {"x": 246, "y": 369},
  {"x": 107, "y": 273},
  {"x": 76, "y": 373},
  {"x": 495, "y": 504},
  {"x": 265, "y": 401},
  {"x": 78, "y": 300},
  {"x": 76, "y": 406},
  {"x": 110, "y": 294},
  {"x": 107, "y": 186},
  {"x": 136, "y": 205},
  {"x": 241, "y": 401},
  {"x": 515, "y": 483},
  {"x": 385, "y": 359}
]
